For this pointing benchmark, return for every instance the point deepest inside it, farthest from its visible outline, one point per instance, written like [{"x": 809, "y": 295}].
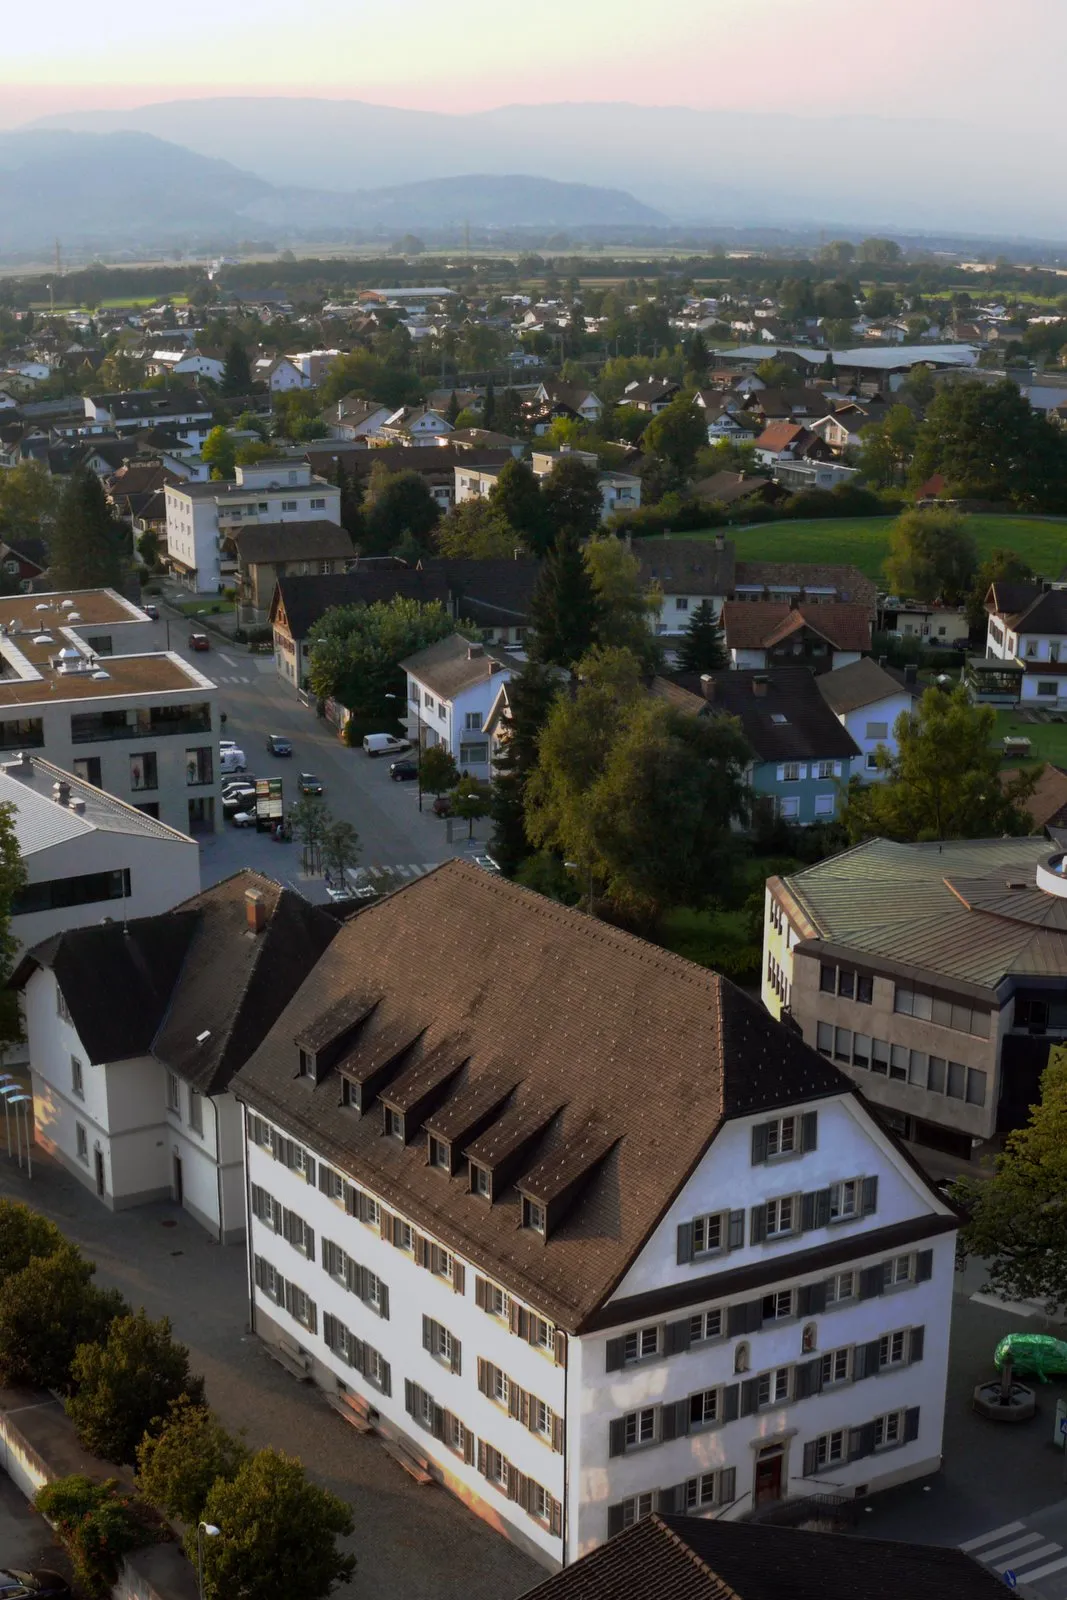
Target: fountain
[{"x": 1004, "y": 1400}]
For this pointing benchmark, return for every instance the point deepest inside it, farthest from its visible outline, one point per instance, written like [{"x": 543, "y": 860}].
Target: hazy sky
[{"x": 975, "y": 60}]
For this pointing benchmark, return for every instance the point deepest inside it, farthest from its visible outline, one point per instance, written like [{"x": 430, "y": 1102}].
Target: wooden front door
[{"x": 769, "y": 1476}]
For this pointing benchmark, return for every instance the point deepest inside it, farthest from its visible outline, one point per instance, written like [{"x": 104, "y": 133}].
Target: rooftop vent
[
  {"x": 61, "y": 793},
  {"x": 78, "y": 805},
  {"x": 64, "y": 605}
]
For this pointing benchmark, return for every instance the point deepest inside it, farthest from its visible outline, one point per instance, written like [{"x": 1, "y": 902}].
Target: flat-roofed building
[{"x": 202, "y": 518}]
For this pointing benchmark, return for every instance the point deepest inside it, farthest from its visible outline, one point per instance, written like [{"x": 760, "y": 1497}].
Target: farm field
[
  {"x": 1048, "y": 740},
  {"x": 864, "y": 541}
]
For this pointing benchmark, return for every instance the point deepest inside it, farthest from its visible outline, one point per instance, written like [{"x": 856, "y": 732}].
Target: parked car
[
  {"x": 18, "y": 1584},
  {"x": 401, "y": 771},
  {"x": 237, "y": 800},
  {"x": 151, "y": 611},
  {"x": 309, "y": 784},
  {"x": 227, "y": 744},
  {"x": 442, "y": 806},
  {"x": 277, "y": 745},
  {"x": 243, "y": 819},
  {"x": 385, "y": 744},
  {"x": 199, "y": 641}
]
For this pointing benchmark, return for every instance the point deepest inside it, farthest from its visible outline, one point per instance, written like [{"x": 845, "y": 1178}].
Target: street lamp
[{"x": 212, "y": 1532}]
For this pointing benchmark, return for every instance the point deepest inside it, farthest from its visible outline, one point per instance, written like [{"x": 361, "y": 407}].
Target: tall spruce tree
[
  {"x": 237, "y": 371},
  {"x": 489, "y": 405},
  {"x": 701, "y": 647},
  {"x": 564, "y": 610},
  {"x": 530, "y": 696},
  {"x": 87, "y": 543}
]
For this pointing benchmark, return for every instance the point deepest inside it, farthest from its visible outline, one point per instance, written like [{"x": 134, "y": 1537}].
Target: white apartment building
[
  {"x": 1028, "y": 626},
  {"x": 200, "y": 515},
  {"x": 88, "y": 855},
  {"x": 130, "y": 411},
  {"x": 867, "y": 701},
  {"x": 84, "y": 684},
  {"x": 580, "y": 1230},
  {"x": 135, "y": 1028},
  {"x": 451, "y": 689}
]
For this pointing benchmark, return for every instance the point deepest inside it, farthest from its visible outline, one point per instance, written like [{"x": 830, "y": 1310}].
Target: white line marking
[
  {"x": 1044, "y": 1572},
  {"x": 230, "y": 662},
  {"x": 1012, "y": 1544},
  {"x": 1018, "y": 1308},
  {"x": 1039, "y": 1554},
  {"x": 997, "y": 1533}
]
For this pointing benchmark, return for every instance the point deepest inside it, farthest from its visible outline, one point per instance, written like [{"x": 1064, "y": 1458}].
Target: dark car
[
  {"x": 278, "y": 745},
  {"x": 199, "y": 641},
  {"x": 401, "y": 771},
  {"x": 309, "y": 784},
  {"x": 442, "y": 806},
  {"x": 151, "y": 611},
  {"x": 18, "y": 1584}
]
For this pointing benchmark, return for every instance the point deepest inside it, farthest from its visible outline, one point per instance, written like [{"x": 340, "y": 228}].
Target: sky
[{"x": 966, "y": 60}]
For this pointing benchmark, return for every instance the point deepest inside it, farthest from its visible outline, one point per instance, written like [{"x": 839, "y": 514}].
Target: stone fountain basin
[{"x": 989, "y": 1400}]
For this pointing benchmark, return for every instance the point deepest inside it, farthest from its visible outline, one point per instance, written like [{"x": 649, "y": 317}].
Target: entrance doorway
[
  {"x": 179, "y": 1184},
  {"x": 98, "y": 1155},
  {"x": 768, "y": 1484}
]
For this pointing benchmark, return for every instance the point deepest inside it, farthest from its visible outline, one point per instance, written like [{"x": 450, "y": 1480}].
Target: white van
[
  {"x": 385, "y": 744},
  {"x": 232, "y": 760}
]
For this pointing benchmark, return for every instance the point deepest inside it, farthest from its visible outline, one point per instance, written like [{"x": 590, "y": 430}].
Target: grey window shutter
[
  {"x": 459, "y": 1277},
  {"x": 357, "y": 1357},
  {"x": 427, "y": 1334},
  {"x": 804, "y": 1300},
  {"x": 614, "y": 1359},
  {"x": 918, "y": 1339},
  {"x": 811, "y": 1458},
  {"x": 814, "y": 1375},
  {"x": 456, "y": 1355},
  {"x": 867, "y": 1439},
  {"x": 615, "y": 1524},
  {"x": 911, "y": 1424},
  {"x": 817, "y": 1301},
  {"x": 383, "y": 1303},
  {"x": 676, "y": 1337},
  {"x": 859, "y": 1363},
  {"x": 759, "y": 1143},
  {"x": 754, "y": 1318},
  {"x": 409, "y": 1397},
  {"x": 735, "y": 1234},
  {"x": 557, "y": 1435},
  {"x": 870, "y": 1282},
  {"x": 807, "y": 1210},
  {"x": 809, "y": 1130},
  {"x": 324, "y": 1178},
  {"x": 351, "y": 1200},
  {"x": 871, "y": 1352},
  {"x": 329, "y": 1327},
  {"x": 870, "y": 1196},
  {"x": 260, "y": 1272},
  {"x": 483, "y": 1375},
  {"x": 730, "y": 1402},
  {"x": 668, "y": 1501},
  {"x": 757, "y": 1231},
  {"x": 674, "y": 1420},
  {"x": 617, "y": 1436},
  {"x": 438, "y": 1423},
  {"x": 685, "y": 1243},
  {"x": 727, "y": 1485},
  {"x": 924, "y": 1265},
  {"x": 805, "y": 1379},
  {"x": 822, "y": 1207},
  {"x": 749, "y": 1396},
  {"x": 736, "y": 1321}
]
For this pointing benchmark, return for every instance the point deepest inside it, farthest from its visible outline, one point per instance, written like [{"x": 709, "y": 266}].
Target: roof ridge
[{"x": 728, "y": 1592}]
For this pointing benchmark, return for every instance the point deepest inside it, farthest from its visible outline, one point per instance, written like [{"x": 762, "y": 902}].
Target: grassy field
[
  {"x": 1048, "y": 740},
  {"x": 864, "y": 541}
]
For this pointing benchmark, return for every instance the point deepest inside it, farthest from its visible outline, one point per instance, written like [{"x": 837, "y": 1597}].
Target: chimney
[
  {"x": 61, "y": 793},
  {"x": 883, "y": 661},
  {"x": 707, "y": 686},
  {"x": 474, "y": 651},
  {"x": 911, "y": 673},
  {"x": 21, "y": 767},
  {"x": 759, "y": 685},
  {"x": 255, "y": 911},
  {"x": 720, "y": 542}
]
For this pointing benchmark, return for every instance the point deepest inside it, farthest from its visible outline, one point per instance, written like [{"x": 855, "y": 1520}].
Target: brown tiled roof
[
  {"x": 454, "y": 664},
  {"x": 667, "y": 1557},
  {"x": 849, "y": 583},
  {"x": 759, "y": 624},
  {"x": 312, "y": 540},
  {"x": 780, "y": 435},
  {"x": 861, "y": 683},
  {"x": 1047, "y": 805},
  {"x": 585, "y": 1020},
  {"x": 687, "y": 566}
]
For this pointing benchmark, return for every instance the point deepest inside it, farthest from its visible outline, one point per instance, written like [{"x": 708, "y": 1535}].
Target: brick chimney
[
  {"x": 255, "y": 911},
  {"x": 759, "y": 685},
  {"x": 474, "y": 651},
  {"x": 707, "y": 686},
  {"x": 61, "y": 793}
]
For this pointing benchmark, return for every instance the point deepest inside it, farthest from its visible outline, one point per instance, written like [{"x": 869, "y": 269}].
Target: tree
[
  {"x": 452, "y": 409},
  {"x": 125, "y": 1385},
  {"x": 880, "y": 302},
  {"x": 397, "y": 504},
  {"x": 340, "y": 848},
  {"x": 697, "y": 357},
  {"x": 475, "y": 529},
  {"x": 308, "y": 818},
  {"x": 470, "y": 800},
  {"x": 355, "y": 651},
  {"x": 178, "y": 1466},
  {"x": 531, "y": 692},
  {"x": 563, "y": 612},
  {"x": 838, "y": 253},
  {"x": 489, "y": 405},
  {"x": 887, "y": 447},
  {"x": 1017, "y": 1220},
  {"x": 24, "y": 1236},
  {"x": 508, "y": 415},
  {"x": 776, "y": 374},
  {"x": 219, "y": 450},
  {"x": 279, "y": 1533},
  {"x": 29, "y": 499},
  {"x": 702, "y": 647},
  {"x": 674, "y": 437},
  {"x": 989, "y": 444},
  {"x": 351, "y": 508},
  {"x": 1003, "y": 566},
  {"x": 625, "y": 603},
  {"x": 437, "y": 769},
  {"x": 880, "y": 252},
  {"x": 99, "y": 1524},
  {"x": 237, "y": 371},
  {"x": 932, "y": 555},
  {"x": 944, "y": 781},
  {"x": 251, "y": 451},
  {"x": 572, "y": 498},
  {"x": 46, "y": 1311},
  {"x": 373, "y": 377},
  {"x": 516, "y": 498},
  {"x": 87, "y": 542}
]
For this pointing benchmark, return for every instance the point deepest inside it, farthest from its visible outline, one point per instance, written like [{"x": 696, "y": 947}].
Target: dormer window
[
  {"x": 440, "y": 1155},
  {"x": 533, "y": 1216},
  {"x": 305, "y": 1064},
  {"x": 394, "y": 1124},
  {"x": 481, "y": 1181}
]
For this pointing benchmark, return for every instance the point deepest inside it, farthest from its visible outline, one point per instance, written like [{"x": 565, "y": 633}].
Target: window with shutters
[
  {"x": 778, "y": 1306},
  {"x": 889, "y": 1430},
  {"x": 370, "y": 1212},
  {"x": 301, "y": 1307},
  {"x": 709, "y": 1233},
  {"x": 829, "y": 1449},
  {"x": 893, "y": 1348},
  {"x": 542, "y": 1334},
  {"x": 706, "y": 1325},
  {"x": 781, "y": 1216},
  {"x": 499, "y": 1470},
  {"x": 423, "y": 1408},
  {"x": 456, "y": 1435},
  {"x": 897, "y": 1271},
  {"x": 641, "y": 1345},
  {"x": 376, "y": 1369},
  {"x": 845, "y": 1199},
  {"x": 710, "y": 1489},
  {"x": 403, "y": 1235},
  {"x": 499, "y": 1387},
  {"x": 442, "y": 1344},
  {"x": 840, "y": 1288},
  {"x": 639, "y": 1428},
  {"x": 373, "y": 1290},
  {"x": 835, "y": 1366},
  {"x": 332, "y": 1184},
  {"x": 498, "y": 1302},
  {"x": 442, "y": 1262},
  {"x": 705, "y": 1408},
  {"x": 783, "y": 1136},
  {"x": 539, "y": 1503},
  {"x": 542, "y": 1418},
  {"x": 299, "y": 1234},
  {"x": 630, "y": 1511},
  {"x": 269, "y": 1280},
  {"x": 334, "y": 1260},
  {"x": 260, "y": 1132},
  {"x": 773, "y": 1388}
]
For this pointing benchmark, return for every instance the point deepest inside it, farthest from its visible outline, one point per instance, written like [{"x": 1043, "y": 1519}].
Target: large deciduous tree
[
  {"x": 531, "y": 692},
  {"x": 29, "y": 499},
  {"x": 625, "y": 603},
  {"x": 932, "y": 556},
  {"x": 355, "y": 651},
  {"x": 572, "y": 497},
  {"x": 127, "y": 1383},
  {"x": 398, "y": 507},
  {"x": 475, "y": 529},
  {"x": 1002, "y": 566},
  {"x": 46, "y": 1311},
  {"x": 990, "y": 444},
  {"x": 674, "y": 438},
  {"x": 178, "y": 1465},
  {"x": 516, "y": 498},
  {"x": 87, "y": 543}
]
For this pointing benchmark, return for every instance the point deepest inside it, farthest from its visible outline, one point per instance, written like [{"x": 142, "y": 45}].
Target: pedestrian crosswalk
[
  {"x": 221, "y": 677},
  {"x": 1017, "y": 1553},
  {"x": 403, "y": 871}
]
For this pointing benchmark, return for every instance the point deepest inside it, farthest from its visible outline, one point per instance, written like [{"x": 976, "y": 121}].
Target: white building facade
[
  {"x": 200, "y": 514},
  {"x": 451, "y": 691}
]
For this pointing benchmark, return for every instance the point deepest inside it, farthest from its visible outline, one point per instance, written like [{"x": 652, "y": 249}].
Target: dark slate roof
[
  {"x": 1028, "y": 609},
  {"x": 490, "y": 590},
  {"x": 861, "y": 683},
  {"x": 517, "y": 990},
  {"x": 452, "y": 665},
  {"x": 305, "y": 599},
  {"x": 687, "y": 566},
  {"x": 810, "y": 732},
  {"x": 437, "y": 461},
  {"x": 292, "y": 541},
  {"x": 694, "y": 1558}
]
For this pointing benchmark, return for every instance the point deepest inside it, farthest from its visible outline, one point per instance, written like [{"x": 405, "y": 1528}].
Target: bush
[
  {"x": 98, "y": 1524},
  {"x": 716, "y": 939},
  {"x": 46, "y": 1311},
  {"x": 673, "y": 514},
  {"x": 177, "y": 1469},
  {"x": 24, "y": 1235},
  {"x": 125, "y": 1385}
]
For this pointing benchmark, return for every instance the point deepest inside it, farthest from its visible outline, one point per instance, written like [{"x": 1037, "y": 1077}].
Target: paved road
[{"x": 25, "y": 1538}]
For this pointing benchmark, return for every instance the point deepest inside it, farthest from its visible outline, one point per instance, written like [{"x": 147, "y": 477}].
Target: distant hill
[{"x": 125, "y": 189}]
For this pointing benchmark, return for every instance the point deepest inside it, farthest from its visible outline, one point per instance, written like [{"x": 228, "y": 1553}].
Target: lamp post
[{"x": 212, "y": 1532}]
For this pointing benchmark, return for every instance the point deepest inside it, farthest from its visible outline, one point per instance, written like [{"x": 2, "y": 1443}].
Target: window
[
  {"x": 632, "y": 1510},
  {"x": 473, "y": 755},
  {"x": 870, "y": 761},
  {"x": 640, "y": 1427},
  {"x": 173, "y": 1092},
  {"x": 542, "y": 1334},
  {"x": 77, "y": 1078},
  {"x": 441, "y": 1344},
  {"x": 499, "y": 1386},
  {"x": 957, "y": 1081},
  {"x": 710, "y": 1489},
  {"x": 893, "y": 1349},
  {"x": 772, "y": 1388},
  {"x": 896, "y": 1271},
  {"x": 824, "y": 1038},
  {"x": 143, "y": 772},
  {"x": 791, "y": 772},
  {"x": 826, "y": 770},
  {"x": 640, "y": 1345},
  {"x": 288, "y": 505},
  {"x": 56, "y": 894},
  {"x": 482, "y": 1181},
  {"x": 498, "y": 1302},
  {"x": 301, "y": 1307},
  {"x": 472, "y": 721},
  {"x": 394, "y": 1124},
  {"x": 376, "y": 1369},
  {"x": 782, "y": 1136},
  {"x": 830, "y": 1448},
  {"x": 196, "y": 1111},
  {"x": 440, "y": 1155},
  {"x": 403, "y": 1236},
  {"x": 889, "y": 1430},
  {"x": 442, "y": 1263},
  {"x": 533, "y": 1215},
  {"x": 198, "y": 766},
  {"x": 704, "y": 1408},
  {"x": 780, "y": 1216},
  {"x": 707, "y": 1234},
  {"x": 827, "y": 979},
  {"x": 840, "y": 1288},
  {"x": 877, "y": 730},
  {"x": 835, "y": 1366},
  {"x": 297, "y": 1233},
  {"x": 824, "y": 805},
  {"x": 82, "y": 1141},
  {"x": 845, "y": 1199},
  {"x": 441, "y": 711},
  {"x": 62, "y": 1009},
  {"x": 455, "y": 1434},
  {"x": 87, "y": 768},
  {"x": 540, "y": 1504},
  {"x": 880, "y": 1061},
  {"x": 976, "y": 1086},
  {"x": 705, "y": 1325},
  {"x": 428, "y": 699},
  {"x": 843, "y": 1044},
  {"x": 1048, "y": 688},
  {"x": 681, "y": 602},
  {"x": 777, "y": 1305},
  {"x": 318, "y": 504}
]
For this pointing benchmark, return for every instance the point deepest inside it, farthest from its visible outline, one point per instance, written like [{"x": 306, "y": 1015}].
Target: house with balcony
[
  {"x": 1027, "y": 626},
  {"x": 267, "y": 551},
  {"x": 571, "y": 1259},
  {"x": 772, "y": 633},
  {"x": 934, "y": 975},
  {"x": 451, "y": 689}
]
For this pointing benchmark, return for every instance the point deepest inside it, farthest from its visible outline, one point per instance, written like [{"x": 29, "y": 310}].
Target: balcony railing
[{"x": 155, "y": 723}]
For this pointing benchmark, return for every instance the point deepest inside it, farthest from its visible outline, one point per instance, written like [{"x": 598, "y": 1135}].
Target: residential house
[
  {"x": 729, "y": 421},
  {"x": 553, "y": 399},
  {"x": 87, "y": 855},
  {"x": 134, "y": 1096},
  {"x": 189, "y": 363},
  {"x": 353, "y": 418},
  {"x": 687, "y": 572},
  {"x": 414, "y": 425},
  {"x": 480, "y": 439},
  {"x": 650, "y": 394},
  {"x": 935, "y": 625},
  {"x": 436, "y": 468},
  {"x": 841, "y": 429},
  {"x": 807, "y": 583},
  {"x": 1047, "y": 806},
  {"x": 267, "y": 551},
  {"x": 619, "y": 491},
  {"x": 451, "y": 688},
  {"x": 138, "y": 493},
  {"x": 85, "y": 684},
  {"x": 739, "y": 489},
  {"x": 696, "y": 1555},
  {"x": 147, "y": 408},
  {"x": 551, "y": 1291},
  {"x": 202, "y": 517},
  {"x": 785, "y": 405},
  {"x": 24, "y": 561},
  {"x": 280, "y": 373},
  {"x": 299, "y": 602},
  {"x": 934, "y": 974},
  {"x": 867, "y": 700},
  {"x": 1028, "y": 626},
  {"x": 772, "y": 633},
  {"x": 789, "y": 441}
]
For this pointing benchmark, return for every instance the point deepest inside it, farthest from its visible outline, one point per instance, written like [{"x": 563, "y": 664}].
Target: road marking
[
  {"x": 1024, "y": 1560},
  {"x": 230, "y": 662},
  {"x": 1044, "y": 1572},
  {"x": 1012, "y": 1544},
  {"x": 997, "y": 1533},
  {"x": 1019, "y": 1308}
]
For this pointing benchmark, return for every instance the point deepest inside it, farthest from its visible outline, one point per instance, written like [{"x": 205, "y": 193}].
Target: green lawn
[
  {"x": 1048, "y": 740},
  {"x": 864, "y": 541}
]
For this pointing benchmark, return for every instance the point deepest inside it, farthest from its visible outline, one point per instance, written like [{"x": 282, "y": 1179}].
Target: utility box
[{"x": 1060, "y": 1437}]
